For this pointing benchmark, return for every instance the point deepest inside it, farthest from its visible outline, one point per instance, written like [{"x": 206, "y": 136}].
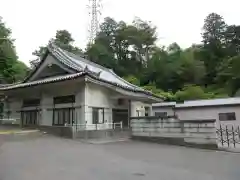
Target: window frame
[
  {"x": 225, "y": 116},
  {"x": 164, "y": 114},
  {"x": 96, "y": 109},
  {"x": 64, "y": 99},
  {"x": 147, "y": 111},
  {"x": 61, "y": 116},
  {"x": 31, "y": 102}
]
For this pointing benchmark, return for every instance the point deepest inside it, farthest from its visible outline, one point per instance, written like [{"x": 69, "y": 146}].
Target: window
[
  {"x": 29, "y": 117},
  {"x": 63, "y": 116},
  {"x": 64, "y": 99},
  {"x": 161, "y": 114},
  {"x": 97, "y": 115},
  {"x": 147, "y": 111},
  {"x": 227, "y": 116},
  {"x": 31, "y": 102}
]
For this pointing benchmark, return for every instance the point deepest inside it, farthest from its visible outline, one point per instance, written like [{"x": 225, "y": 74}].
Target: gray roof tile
[{"x": 82, "y": 66}]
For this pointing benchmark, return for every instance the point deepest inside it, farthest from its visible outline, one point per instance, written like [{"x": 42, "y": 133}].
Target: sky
[{"x": 34, "y": 22}]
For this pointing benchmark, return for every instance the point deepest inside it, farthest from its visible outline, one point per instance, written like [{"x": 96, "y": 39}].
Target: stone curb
[
  {"x": 230, "y": 150},
  {"x": 103, "y": 141},
  {"x": 18, "y": 132}
]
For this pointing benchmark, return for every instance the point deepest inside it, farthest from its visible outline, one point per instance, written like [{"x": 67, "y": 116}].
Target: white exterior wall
[
  {"x": 46, "y": 114},
  {"x": 97, "y": 96},
  {"x": 80, "y": 102},
  {"x": 169, "y": 110},
  {"x": 47, "y": 107},
  {"x": 201, "y": 113},
  {"x": 138, "y": 108}
]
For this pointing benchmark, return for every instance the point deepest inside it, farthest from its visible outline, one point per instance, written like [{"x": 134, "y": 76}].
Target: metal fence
[
  {"x": 228, "y": 136},
  {"x": 103, "y": 126},
  {"x": 9, "y": 121},
  {"x": 99, "y": 131}
]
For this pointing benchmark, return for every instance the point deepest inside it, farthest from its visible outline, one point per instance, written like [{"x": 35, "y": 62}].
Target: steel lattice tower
[{"x": 94, "y": 13}]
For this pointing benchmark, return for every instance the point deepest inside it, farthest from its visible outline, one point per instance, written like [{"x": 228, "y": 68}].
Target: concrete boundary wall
[
  {"x": 102, "y": 134},
  {"x": 61, "y": 131},
  {"x": 172, "y": 131}
]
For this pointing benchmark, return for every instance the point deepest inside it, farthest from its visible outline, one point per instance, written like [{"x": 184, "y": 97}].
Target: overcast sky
[{"x": 34, "y": 22}]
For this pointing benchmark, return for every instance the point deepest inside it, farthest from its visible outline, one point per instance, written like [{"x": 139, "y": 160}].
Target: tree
[
  {"x": 214, "y": 44},
  {"x": 20, "y": 70},
  {"x": 132, "y": 80},
  {"x": 232, "y": 36},
  {"x": 63, "y": 39},
  {"x": 229, "y": 74},
  {"x": 40, "y": 52},
  {"x": 192, "y": 70},
  {"x": 11, "y": 70},
  {"x": 191, "y": 93}
]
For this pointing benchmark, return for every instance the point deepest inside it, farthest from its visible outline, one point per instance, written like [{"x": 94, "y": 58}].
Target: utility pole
[{"x": 95, "y": 12}]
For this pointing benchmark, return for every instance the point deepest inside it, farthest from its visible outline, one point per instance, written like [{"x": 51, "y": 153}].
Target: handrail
[{"x": 98, "y": 126}]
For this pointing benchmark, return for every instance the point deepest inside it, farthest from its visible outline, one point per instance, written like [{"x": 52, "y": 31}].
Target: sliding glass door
[
  {"x": 30, "y": 118},
  {"x": 63, "y": 116}
]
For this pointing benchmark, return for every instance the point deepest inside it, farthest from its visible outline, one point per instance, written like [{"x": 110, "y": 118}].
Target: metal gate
[{"x": 228, "y": 136}]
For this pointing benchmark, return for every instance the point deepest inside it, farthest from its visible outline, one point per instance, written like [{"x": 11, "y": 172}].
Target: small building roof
[
  {"x": 164, "y": 104},
  {"x": 209, "y": 102},
  {"x": 200, "y": 103}
]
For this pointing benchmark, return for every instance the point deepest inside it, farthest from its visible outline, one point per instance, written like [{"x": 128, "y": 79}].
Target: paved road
[{"x": 51, "y": 158}]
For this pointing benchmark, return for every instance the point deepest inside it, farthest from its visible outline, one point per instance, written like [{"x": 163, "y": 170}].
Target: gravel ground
[{"x": 26, "y": 157}]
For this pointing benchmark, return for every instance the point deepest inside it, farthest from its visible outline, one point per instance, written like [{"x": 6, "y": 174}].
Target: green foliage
[
  {"x": 63, "y": 39},
  {"x": 130, "y": 50},
  {"x": 213, "y": 51},
  {"x": 191, "y": 93},
  {"x": 202, "y": 71},
  {"x": 229, "y": 74},
  {"x": 132, "y": 80},
  {"x": 11, "y": 70}
]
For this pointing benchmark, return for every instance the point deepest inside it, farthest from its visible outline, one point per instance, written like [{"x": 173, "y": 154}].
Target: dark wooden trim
[
  {"x": 152, "y": 117},
  {"x": 23, "y": 110},
  {"x": 76, "y": 107}
]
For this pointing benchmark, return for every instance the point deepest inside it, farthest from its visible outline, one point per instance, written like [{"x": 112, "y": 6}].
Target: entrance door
[
  {"x": 29, "y": 118},
  {"x": 120, "y": 115}
]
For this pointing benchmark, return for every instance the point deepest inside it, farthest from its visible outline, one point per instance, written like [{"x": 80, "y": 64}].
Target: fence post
[
  {"x": 221, "y": 134},
  {"x": 182, "y": 127},
  {"x": 161, "y": 119},
  {"x": 238, "y": 133},
  {"x": 227, "y": 136},
  {"x": 233, "y": 134}
]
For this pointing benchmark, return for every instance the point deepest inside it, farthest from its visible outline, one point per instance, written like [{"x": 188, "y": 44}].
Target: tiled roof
[
  {"x": 80, "y": 64},
  {"x": 83, "y": 67},
  {"x": 42, "y": 81}
]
